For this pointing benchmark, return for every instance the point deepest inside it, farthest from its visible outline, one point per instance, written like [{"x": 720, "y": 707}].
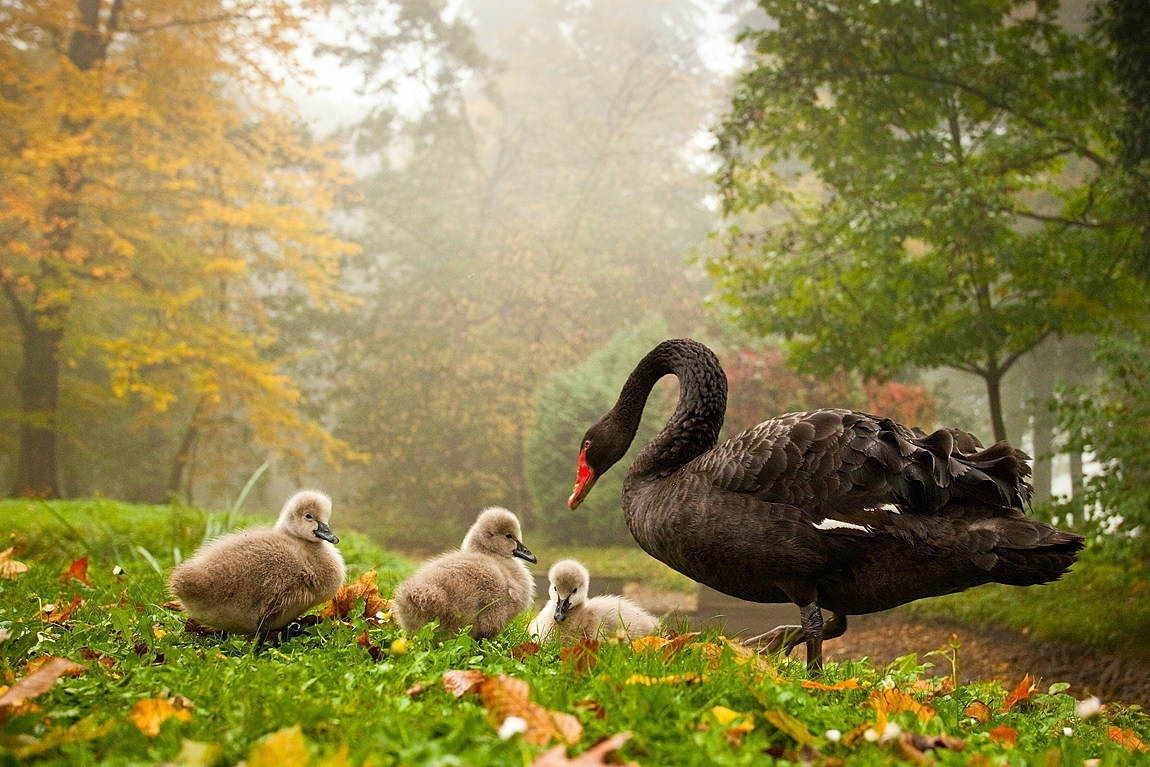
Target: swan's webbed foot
[{"x": 785, "y": 638}]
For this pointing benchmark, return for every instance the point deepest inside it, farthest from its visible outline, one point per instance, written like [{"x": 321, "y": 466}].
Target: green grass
[
  {"x": 1102, "y": 604},
  {"x": 331, "y": 687}
]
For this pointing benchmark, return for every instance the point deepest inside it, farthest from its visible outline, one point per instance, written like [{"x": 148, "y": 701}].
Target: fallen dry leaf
[
  {"x": 459, "y": 683},
  {"x": 9, "y": 567},
  {"x": 581, "y": 656},
  {"x": 643, "y": 644},
  {"x": 376, "y": 609},
  {"x": 196, "y": 754},
  {"x": 38, "y": 681},
  {"x": 689, "y": 677},
  {"x": 735, "y": 724},
  {"x": 846, "y": 684},
  {"x": 915, "y": 745},
  {"x": 788, "y": 724},
  {"x": 596, "y": 756},
  {"x": 374, "y": 650},
  {"x": 591, "y": 707},
  {"x": 892, "y": 701},
  {"x": 417, "y": 689},
  {"x": 176, "y": 606},
  {"x": 78, "y": 570},
  {"x": 1004, "y": 736},
  {"x": 1128, "y": 739},
  {"x": 525, "y": 650},
  {"x": 83, "y": 730},
  {"x": 504, "y": 696},
  {"x": 1020, "y": 693},
  {"x": 978, "y": 710},
  {"x": 282, "y": 747},
  {"x": 107, "y": 661},
  {"x": 150, "y": 714},
  {"x": 60, "y": 615}
]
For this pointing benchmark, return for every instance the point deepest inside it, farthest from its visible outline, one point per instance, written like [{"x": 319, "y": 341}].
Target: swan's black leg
[{"x": 812, "y": 620}]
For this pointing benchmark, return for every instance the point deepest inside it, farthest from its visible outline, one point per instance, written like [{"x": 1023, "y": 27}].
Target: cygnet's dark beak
[
  {"x": 523, "y": 552},
  {"x": 324, "y": 533},
  {"x": 562, "y": 607}
]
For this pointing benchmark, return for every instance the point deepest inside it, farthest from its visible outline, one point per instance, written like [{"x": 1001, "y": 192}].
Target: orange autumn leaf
[
  {"x": 9, "y": 567},
  {"x": 1020, "y": 693},
  {"x": 150, "y": 714},
  {"x": 107, "y": 661},
  {"x": 846, "y": 684},
  {"x": 582, "y": 656},
  {"x": 688, "y": 678},
  {"x": 886, "y": 702},
  {"x": 59, "y": 614},
  {"x": 374, "y": 650},
  {"x": 978, "y": 710},
  {"x": 1128, "y": 739},
  {"x": 596, "y": 756},
  {"x": 78, "y": 570},
  {"x": 591, "y": 707},
  {"x": 38, "y": 681},
  {"x": 1004, "y": 736},
  {"x": 643, "y": 644},
  {"x": 364, "y": 587},
  {"x": 505, "y": 696},
  {"x": 459, "y": 683},
  {"x": 677, "y": 643},
  {"x": 525, "y": 650}
]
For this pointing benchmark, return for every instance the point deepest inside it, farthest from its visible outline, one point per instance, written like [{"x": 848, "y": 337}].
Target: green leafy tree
[{"x": 928, "y": 184}]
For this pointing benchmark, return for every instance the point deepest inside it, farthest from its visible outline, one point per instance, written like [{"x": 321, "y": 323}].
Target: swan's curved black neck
[{"x": 694, "y": 428}]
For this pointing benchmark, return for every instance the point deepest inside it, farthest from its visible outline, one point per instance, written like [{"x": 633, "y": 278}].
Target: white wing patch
[
  {"x": 892, "y": 508},
  {"x": 834, "y": 524}
]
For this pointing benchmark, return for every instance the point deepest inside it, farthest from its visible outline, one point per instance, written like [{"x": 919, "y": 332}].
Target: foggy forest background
[{"x": 406, "y": 251}]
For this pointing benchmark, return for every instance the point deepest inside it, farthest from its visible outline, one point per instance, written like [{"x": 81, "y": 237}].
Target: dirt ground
[{"x": 995, "y": 654}]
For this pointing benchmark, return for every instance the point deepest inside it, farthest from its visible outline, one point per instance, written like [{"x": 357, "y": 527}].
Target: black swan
[{"x": 831, "y": 509}]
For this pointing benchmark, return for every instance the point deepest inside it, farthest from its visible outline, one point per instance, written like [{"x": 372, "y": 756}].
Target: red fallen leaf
[
  {"x": 174, "y": 605},
  {"x": 374, "y": 650},
  {"x": 459, "y": 683},
  {"x": 846, "y": 684},
  {"x": 60, "y": 615},
  {"x": 41, "y": 676},
  {"x": 582, "y": 656},
  {"x": 596, "y": 756},
  {"x": 525, "y": 650},
  {"x": 417, "y": 689},
  {"x": 373, "y": 604},
  {"x": 107, "y": 661},
  {"x": 1020, "y": 693},
  {"x": 677, "y": 643},
  {"x": 978, "y": 710},
  {"x": 77, "y": 570},
  {"x": 591, "y": 707},
  {"x": 1128, "y": 739},
  {"x": 1004, "y": 736},
  {"x": 946, "y": 688}
]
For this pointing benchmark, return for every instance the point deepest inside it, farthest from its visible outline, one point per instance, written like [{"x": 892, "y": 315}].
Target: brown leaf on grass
[
  {"x": 789, "y": 725},
  {"x": 505, "y": 696},
  {"x": 846, "y": 684},
  {"x": 596, "y": 756},
  {"x": 107, "y": 661},
  {"x": 1007, "y": 737},
  {"x": 417, "y": 689},
  {"x": 978, "y": 710},
  {"x": 57, "y": 614},
  {"x": 9, "y": 567},
  {"x": 1020, "y": 693},
  {"x": 525, "y": 650},
  {"x": 150, "y": 714},
  {"x": 459, "y": 683},
  {"x": 886, "y": 702},
  {"x": 946, "y": 688},
  {"x": 735, "y": 724},
  {"x": 374, "y": 650},
  {"x": 915, "y": 745},
  {"x": 591, "y": 707},
  {"x": 582, "y": 656},
  {"x": 742, "y": 655},
  {"x": 39, "y": 680},
  {"x": 678, "y": 642},
  {"x": 643, "y": 644},
  {"x": 174, "y": 605},
  {"x": 78, "y": 570},
  {"x": 375, "y": 607},
  {"x": 193, "y": 626},
  {"x": 1128, "y": 739}
]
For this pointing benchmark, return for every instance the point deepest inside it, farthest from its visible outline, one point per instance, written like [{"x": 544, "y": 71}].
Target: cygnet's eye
[
  {"x": 509, "y": 535},
  {"x": 308, "y": 516}
]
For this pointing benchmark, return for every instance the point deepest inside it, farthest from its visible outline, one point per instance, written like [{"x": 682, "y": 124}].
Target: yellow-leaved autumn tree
[{"x": 146, "y": 182}]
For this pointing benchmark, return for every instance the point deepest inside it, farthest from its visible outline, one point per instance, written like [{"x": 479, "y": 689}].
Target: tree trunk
[
  {"x": 184, "y": 454},
  {"x": 1043, "y": 380},
  {"x": 993, "y": 379},
  {"x": 38, "y": 382}
]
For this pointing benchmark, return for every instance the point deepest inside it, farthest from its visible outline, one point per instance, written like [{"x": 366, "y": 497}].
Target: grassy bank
[
  {"x": 1102, "y": 604},
  {"x": 346, "y": 692}
]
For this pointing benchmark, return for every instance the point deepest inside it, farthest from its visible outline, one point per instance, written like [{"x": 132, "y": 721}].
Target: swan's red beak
[{"x": 584, "y": 481}]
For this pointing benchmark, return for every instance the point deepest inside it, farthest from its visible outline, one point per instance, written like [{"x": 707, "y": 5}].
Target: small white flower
[
  {"x": 834, "y": 736},
  {"x": 888, "y": 683},
  {"x": 512, "y": 725},
  {"x": 1089, "y": 707},
  {"x": 50, "y": 607},
  {"x": 1067, "y": 731},
  {"x": 117, "y": 570},
  {"x": 871, "y": 735},
  {"x": 890, "y": 732}
]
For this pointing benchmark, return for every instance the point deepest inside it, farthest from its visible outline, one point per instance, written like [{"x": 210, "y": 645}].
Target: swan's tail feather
[{"x": 1019, "y": 551}]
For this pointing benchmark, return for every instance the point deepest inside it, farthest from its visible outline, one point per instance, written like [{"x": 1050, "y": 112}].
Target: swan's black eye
[
  {"x": 307, "y": 516},
  {"x": 586, "y": 443},
  {"x": 509, "y": 535}
]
